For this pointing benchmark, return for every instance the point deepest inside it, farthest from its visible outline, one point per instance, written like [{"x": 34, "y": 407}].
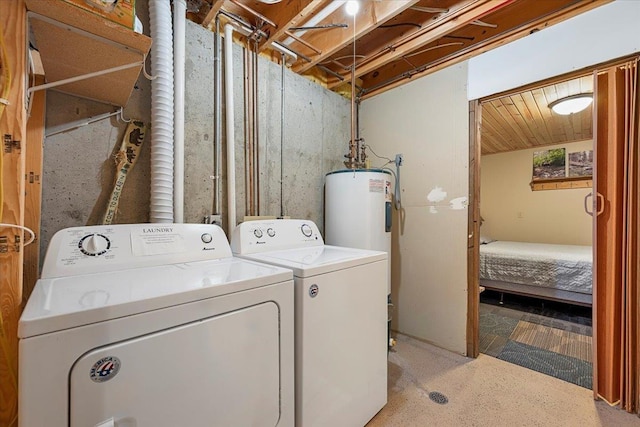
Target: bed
[{"x": 553, "y": 272}]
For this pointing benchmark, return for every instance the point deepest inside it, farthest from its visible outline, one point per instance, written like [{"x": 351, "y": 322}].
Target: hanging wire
[
  {"x": 380, "y": 157},
  {"x": 32, "y": 235}
]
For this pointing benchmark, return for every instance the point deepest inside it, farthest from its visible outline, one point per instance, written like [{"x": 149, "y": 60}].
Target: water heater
[{"x": 358, "y": 210}]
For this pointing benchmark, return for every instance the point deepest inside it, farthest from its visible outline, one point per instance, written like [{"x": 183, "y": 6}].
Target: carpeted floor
[{"x": 556, "y": 343}]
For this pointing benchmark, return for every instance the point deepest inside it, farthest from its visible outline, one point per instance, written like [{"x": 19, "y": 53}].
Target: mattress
[{"x": 565, "y": 267}]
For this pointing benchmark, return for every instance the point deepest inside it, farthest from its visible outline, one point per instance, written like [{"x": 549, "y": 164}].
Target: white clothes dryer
[
  {"x": 340, "y": 319},
  {"x": 156, "y": 325}
]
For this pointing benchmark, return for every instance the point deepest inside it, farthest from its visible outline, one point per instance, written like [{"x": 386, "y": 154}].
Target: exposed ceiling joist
[
  {"x": 395, "y": 40},
  {"x": 386, "y": 74},
  {"x": 447, "y": 23},
  {"x": 372, "y": 15},
  {"x": 291, "y": 15},
  {"x": 212, "y": 12}
]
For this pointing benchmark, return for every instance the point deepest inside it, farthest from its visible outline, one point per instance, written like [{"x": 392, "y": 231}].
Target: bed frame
[{"x": 585, "y": 300}]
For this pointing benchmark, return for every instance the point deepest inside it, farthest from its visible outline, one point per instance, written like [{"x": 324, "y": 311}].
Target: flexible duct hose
[{"x": 161, "y": 112}]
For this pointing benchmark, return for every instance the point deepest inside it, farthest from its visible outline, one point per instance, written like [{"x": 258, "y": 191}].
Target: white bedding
[{"x": 566, "y": 267}]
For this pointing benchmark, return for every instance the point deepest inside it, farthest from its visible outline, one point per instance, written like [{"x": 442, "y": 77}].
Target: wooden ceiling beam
[
  {"x": 446, "y": 24},
  {"x": 292, "y": 14},
  {"x": 372, "y": 15},
  {"x": 577, "y": 8},
  {"x": 214, "y": 8}
]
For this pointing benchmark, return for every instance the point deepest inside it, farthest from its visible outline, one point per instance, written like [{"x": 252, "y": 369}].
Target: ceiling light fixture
[
  {"x": 352, "y": 7},
  {"x": 571, "y": 104},
  {"x": 270, "y": 1}
]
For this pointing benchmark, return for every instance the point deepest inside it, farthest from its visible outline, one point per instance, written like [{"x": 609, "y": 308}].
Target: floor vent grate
[{"x": 438, "y": 397}]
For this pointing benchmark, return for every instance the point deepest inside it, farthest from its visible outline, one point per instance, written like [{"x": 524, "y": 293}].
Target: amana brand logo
[
  {"x": 313, "y": 291},
  {"x": 157, "y": 230},
  {"x": 104, "y": 369}
]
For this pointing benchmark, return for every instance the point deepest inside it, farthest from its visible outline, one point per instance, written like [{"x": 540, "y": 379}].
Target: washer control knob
[
  {"x": 206, "y": 238},
  {"x": 306, "y": 230},
  {"x": 94, "y": 244},
  {"x": 257, "y": 232},
  {"x": 271, "y": 232}
]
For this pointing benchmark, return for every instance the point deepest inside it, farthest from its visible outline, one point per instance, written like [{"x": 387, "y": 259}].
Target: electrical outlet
[
  {"x": 213, "y": 219},
  {"x": 399, "y": 159}
]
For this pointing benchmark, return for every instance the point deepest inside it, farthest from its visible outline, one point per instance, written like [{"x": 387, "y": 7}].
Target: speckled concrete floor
[{"x": 484, "y": 392}]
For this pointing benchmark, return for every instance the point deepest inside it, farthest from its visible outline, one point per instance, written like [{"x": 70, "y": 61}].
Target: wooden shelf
[
  {"x": 74, "y": 42},
  {"x": 562, "y": 183}
]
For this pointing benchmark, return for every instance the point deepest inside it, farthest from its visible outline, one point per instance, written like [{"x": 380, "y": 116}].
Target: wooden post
[
  {"x": 33, "y": 186},
  {"x": 12, "y": 131}
]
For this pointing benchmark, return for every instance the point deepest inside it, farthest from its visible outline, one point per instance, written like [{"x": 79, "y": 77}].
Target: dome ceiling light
[{"x": 571, "y": 104}]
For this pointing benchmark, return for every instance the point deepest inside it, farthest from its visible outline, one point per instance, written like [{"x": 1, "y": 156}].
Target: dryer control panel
[
  {"x": 252, "y": 237},
  {"x": 101, "y": 248}
]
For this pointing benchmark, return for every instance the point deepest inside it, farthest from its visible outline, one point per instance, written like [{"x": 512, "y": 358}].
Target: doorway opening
[{"x": 535, "y": 237}]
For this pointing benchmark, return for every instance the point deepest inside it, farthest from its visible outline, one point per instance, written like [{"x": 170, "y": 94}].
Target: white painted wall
[
  {"x": 511, "y": 211},
  {"x": 427, "y": 121},
  {"x": 602, "y": 34}
]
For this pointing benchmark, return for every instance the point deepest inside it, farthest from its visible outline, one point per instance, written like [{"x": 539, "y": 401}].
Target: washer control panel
[
  {"x": 269, "y": 235},
  {"x": 101, "y": 248}
]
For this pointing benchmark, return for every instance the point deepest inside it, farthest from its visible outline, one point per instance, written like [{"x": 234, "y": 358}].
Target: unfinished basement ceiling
[
  {"x": 395, "y": 41},
  {"x": 524, "y": 120}
]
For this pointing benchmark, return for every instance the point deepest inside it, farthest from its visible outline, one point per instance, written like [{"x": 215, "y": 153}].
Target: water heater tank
[{"x": 358, "y": 210}]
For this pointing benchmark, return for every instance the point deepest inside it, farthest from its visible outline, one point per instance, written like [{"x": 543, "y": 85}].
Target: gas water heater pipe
[{"x": 217, "y": 117}]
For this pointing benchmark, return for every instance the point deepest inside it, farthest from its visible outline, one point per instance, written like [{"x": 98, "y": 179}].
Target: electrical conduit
[
  {"x": 161, "y": 112},
  {"x": 179, "y": 30}
]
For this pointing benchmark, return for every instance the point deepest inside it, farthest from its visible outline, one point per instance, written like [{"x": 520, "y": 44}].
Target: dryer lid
[{"x": 69, "y": 302}]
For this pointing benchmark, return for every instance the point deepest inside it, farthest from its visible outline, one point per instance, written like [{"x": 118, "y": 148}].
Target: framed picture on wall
[
  {"x": 581, "y": 163},
  {"x": 549, "y": 164}
]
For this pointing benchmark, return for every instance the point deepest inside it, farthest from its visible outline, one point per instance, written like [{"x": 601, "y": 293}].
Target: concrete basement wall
[
  {"x": 79, "y": 168},
  {"x": 427, "y": 121}
]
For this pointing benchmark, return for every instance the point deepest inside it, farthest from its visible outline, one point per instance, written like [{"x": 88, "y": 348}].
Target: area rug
[{"x": 551, "y": 345}]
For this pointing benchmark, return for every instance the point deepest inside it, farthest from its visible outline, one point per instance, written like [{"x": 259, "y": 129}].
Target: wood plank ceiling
[
  {"x": 524, "y": 120},
  {"x": 395, "y": 41}
]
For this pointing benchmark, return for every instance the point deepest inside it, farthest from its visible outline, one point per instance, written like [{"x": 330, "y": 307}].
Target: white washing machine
[
  {"x": 156, "y": 325},
  {"x": 340, "y": 319}
]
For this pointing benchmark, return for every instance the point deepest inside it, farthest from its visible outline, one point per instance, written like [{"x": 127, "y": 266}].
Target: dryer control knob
[
  {"x": 206, "y": 238},
  {"x": 306, "y": 230},
  {"x": 271, "y": 232},
  {"x": 94, "y": 244},
  {"x": 257, "y": 232}
]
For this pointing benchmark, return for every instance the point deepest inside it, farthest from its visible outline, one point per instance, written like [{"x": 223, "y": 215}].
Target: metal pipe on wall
[
  {"x": 217, "y": 117},
  {"x": 230, "y": 125},
  {"x": 256, "y": 132},
  {"x": 248, "y": 131},
  {"x": 282, "y": 135}
]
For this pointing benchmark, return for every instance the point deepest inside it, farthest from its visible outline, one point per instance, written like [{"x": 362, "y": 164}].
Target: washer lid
[
  {"x": 307, "y": 262},
  {"x": 68, "y": 302}
]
